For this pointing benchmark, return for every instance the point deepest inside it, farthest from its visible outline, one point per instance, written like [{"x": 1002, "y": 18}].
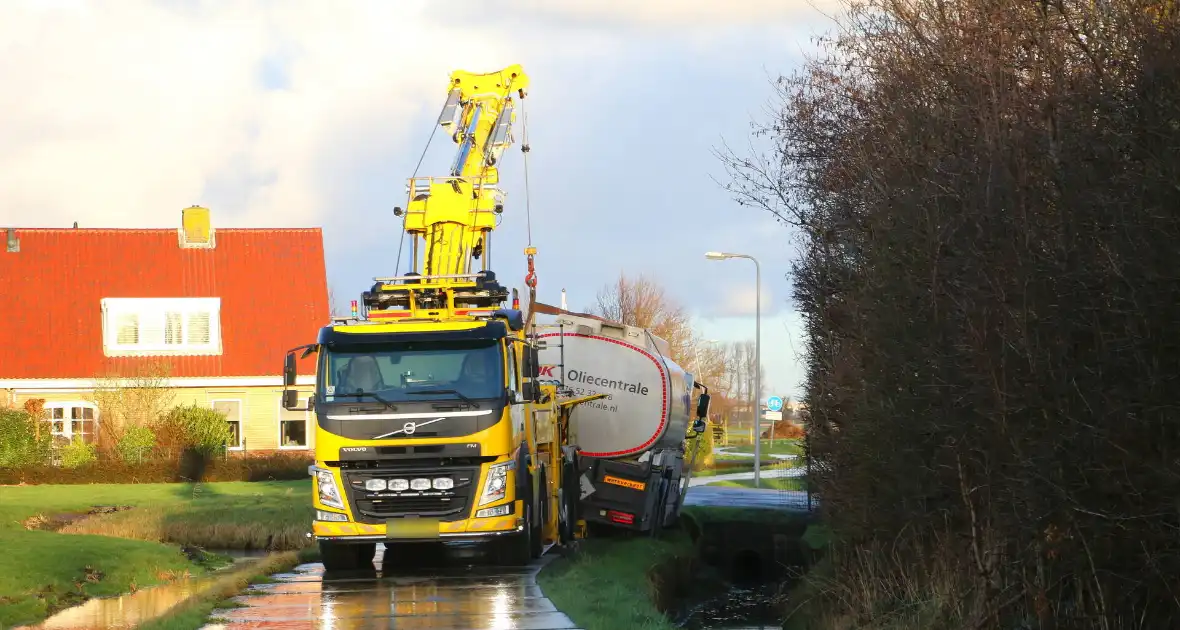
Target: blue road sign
[{"x": 774, "y": 403}]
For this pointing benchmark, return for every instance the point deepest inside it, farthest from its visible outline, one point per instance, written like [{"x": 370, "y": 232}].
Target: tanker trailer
[{"x": 630, "y": 445}]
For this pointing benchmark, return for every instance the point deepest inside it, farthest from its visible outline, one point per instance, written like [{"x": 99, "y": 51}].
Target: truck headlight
[
  {"x": 495, "y": 486},
  {"x": 329, "y": 494}
]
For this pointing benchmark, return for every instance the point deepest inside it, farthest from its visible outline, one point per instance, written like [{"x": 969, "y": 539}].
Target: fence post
[{"x": 807, "y": 457}]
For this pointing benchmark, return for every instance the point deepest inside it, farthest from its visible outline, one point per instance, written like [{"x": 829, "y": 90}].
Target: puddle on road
[{"x": 448, "y": 594}]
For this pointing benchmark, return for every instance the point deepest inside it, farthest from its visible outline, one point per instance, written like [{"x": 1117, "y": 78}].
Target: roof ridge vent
[{"x": 196, "y": 229}]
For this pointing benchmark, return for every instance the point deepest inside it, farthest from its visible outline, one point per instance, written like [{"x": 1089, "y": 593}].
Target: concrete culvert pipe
[{"x": 746, "y": 568}]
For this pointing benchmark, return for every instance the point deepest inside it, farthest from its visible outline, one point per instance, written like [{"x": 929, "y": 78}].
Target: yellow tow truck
[{"x": 431, "y": 422}]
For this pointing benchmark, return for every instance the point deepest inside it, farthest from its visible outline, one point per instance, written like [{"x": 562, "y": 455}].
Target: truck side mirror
[
  {"x": 291, "y": 400},
  {"x": 289, "y": 370},
  {"x": 703, "y": 406}
]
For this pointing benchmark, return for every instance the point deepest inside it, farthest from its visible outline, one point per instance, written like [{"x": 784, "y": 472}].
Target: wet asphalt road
[
  {"x": 446, "y": 593},
  {"x": 452, "y": 590}
]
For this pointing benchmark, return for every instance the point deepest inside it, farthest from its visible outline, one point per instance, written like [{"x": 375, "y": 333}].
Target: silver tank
[{"x": 649, "y": 404}]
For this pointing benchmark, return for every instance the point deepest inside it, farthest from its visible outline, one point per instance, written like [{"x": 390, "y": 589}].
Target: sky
[{"x": 296, "y": 113}]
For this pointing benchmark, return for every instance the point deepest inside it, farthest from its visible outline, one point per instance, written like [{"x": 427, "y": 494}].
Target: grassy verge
[
  {"x": 780, "y": 446},
  {"x": 606, "y": 585},
  {"x": 705, "y": 515},
  {"x": 766, "y": 483},
  {"x": 44, "y": 571},
  {"x": 194, "y": 612}
]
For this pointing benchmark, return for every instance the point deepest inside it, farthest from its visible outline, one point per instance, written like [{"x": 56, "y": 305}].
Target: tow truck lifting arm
[{"x": 451, "y": 218}]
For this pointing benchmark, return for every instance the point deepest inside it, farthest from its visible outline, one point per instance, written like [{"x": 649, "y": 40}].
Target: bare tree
[
  {"x": 986, "y": 196},
  {"x": 134, "y": 397},
  {"x": 334, "y": 306},
  {"x": 642, "y": 302}
]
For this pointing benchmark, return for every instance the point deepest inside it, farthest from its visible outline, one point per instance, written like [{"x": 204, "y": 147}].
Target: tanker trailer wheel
[
  {"x": 337, "y": 556},
  {"x": 661, "y": 508},
  {"x": 567, "y": 500}
]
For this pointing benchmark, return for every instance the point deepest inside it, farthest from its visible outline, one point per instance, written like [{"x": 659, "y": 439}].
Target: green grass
[
  {"x": 780, "y": 446},
  {"x": 43, "y": 571},
  {"x": 766, "y": 483},
  {"x": 606, "y": 585},
  {"x": 787, "y": 518}
]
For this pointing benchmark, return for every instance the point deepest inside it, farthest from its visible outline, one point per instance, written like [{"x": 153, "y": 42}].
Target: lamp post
[{"x": 757, "y": 406}]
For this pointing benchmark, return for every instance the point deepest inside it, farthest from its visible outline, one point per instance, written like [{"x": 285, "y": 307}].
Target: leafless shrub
[
  {"x": 987, "y": 201},
  {"x": 134, "y": 397}
]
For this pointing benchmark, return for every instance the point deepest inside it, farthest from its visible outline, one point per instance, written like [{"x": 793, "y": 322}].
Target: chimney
[
  {"x": 196, "y": 229},
  {"x": 13, "y": 241}
]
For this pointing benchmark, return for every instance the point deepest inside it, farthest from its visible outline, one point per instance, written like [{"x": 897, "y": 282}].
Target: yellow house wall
[{"x": 260, "y": 409}]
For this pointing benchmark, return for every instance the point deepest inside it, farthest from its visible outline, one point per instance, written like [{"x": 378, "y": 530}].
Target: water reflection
[
  {"x": 127, "y": 611},
  {"x": 435, "y": 595},
  {"x": 130, "y": 610},
  {"x": 435, "y": 591}
]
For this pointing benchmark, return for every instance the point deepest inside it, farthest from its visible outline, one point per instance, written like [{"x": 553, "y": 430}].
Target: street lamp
[{"x": 757, "y": 407}]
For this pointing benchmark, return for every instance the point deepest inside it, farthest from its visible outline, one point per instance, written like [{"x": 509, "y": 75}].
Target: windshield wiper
[
  {"x": 427, "y": 392},
  {"x": 358, "y": 393}
]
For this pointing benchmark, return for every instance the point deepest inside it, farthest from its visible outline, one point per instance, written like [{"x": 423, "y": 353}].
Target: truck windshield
[{"x": 396, "y": 371}]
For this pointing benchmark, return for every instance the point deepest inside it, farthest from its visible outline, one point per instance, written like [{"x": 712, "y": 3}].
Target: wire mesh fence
[{"x": 729, "y": 476}]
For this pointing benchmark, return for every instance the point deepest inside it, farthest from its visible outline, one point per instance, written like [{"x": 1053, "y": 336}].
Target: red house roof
[{"x": 271, "y": 282}]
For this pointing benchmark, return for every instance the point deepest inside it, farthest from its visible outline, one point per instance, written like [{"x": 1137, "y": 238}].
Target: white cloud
[
  {"x": 121, "y": 113},
  {"x": 738, "y": 300},
  {"x": 678, "y": 13}
]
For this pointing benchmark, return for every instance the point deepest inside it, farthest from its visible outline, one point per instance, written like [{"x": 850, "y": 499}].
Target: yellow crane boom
[{"x": 450, "y": 219}]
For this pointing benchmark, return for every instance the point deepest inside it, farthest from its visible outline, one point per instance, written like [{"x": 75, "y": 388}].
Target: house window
[
  {"x": 232, "y": 410},
  {"x": 161, "y": 326},
  {"x": 293, "y": 426},
  {"x": 68, "y": 420}
]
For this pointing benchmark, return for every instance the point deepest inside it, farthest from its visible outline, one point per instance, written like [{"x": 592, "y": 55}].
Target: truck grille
[{"x": 374, "y": 507}]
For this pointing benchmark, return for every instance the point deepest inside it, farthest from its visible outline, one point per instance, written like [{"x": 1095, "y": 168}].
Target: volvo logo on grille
[{"x": 409, "y": 427}]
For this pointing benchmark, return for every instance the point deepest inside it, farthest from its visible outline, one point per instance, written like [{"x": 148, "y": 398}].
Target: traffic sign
[{"x": 774, "y": 403}]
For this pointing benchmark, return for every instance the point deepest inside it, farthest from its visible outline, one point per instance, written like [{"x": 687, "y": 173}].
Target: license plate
[{"x": 411, "y": 528}]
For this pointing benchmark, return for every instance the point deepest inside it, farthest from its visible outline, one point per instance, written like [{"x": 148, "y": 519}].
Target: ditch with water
[
  {"x": 132, "y": 609},
  {"x": 739, "y": 576}
]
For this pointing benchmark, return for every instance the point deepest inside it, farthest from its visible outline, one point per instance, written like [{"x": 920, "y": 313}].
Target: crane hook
[{"x": 530, "y": 279}]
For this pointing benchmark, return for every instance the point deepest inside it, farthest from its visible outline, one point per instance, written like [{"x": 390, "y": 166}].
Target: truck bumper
[{"x": 469, "y": 529}]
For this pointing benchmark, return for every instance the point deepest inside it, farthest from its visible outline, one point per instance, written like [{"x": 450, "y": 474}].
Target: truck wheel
[
  {"x": 568, "y": 502},
  {"x": 516, "y": 550},
  {"x": 346, "y": 557}
]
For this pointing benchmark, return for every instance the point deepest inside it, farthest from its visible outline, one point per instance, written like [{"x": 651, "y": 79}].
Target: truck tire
[
  {"x": 516, "y": 550},
  {"x": 660, "y": 511},
  {"x": 338, "y": 556},
  {"x": 569, "y": 498}
]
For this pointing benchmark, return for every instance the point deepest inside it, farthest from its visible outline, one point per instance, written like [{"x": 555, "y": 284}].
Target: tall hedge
[
  {"x": 987, "y": 200},
  {"x": 22, "y": 441}
]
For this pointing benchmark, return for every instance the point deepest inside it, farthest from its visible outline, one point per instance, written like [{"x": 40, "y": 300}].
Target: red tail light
[{"x": 621, "y": 517}]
